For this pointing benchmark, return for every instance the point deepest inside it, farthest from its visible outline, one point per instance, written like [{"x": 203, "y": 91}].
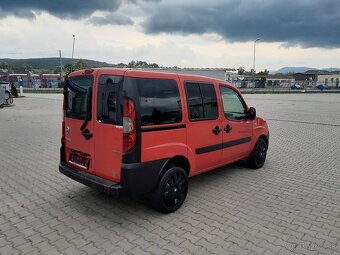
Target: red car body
[{"x": 132, "y": 146}]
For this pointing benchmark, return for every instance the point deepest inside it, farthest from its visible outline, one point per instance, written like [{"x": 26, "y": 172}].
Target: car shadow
[{"x": 107, "y": 208}]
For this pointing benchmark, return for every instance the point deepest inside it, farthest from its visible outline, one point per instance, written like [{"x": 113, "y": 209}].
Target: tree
[
  {"x": 263, "y": 82},
  {"x": 141, "y": 64},
  {"x": 241, "y": 70},
  {"x": 264, "y": 73},
  {"x": 80, "y": 65},
  {"x": 69, "y": 68},
  {"x": 4, "y": 65}
]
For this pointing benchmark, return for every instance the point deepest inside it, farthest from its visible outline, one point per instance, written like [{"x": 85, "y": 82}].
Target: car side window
[
  {"x": 233, "y": 106},
  {"x": 202, "y": 101},
  {"x": 159, "y": 101}
]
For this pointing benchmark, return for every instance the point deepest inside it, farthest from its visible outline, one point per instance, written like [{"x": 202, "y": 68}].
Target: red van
[{"x": 145, "y": 132}]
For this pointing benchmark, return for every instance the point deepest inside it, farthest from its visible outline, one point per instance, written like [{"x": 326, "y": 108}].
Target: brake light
[{"x": 129, "y": 125}]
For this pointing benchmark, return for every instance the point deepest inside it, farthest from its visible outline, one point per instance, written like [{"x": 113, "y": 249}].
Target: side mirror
[{"x": 251, "y": 113}]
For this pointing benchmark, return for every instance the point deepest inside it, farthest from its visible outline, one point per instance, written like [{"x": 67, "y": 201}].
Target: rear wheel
[
  {"x": 8, "y": 98},
  {"x": 258, "y": 156},
  {"x": 171, "y": 191}
]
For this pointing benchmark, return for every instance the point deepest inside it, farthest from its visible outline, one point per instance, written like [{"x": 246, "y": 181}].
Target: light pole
[
  {"x": 258, "y": 39},
  {"x": 61, "y": 67},
  {"x": 74, "y": 40}
]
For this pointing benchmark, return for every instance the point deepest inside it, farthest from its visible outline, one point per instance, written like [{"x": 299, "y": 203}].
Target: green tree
[
  {"x": 80, "y": 65},
  {"x": 69, "y": 68},
  {"x": 263, "y": 81},
  {"x": 265, "y": 72},
  {"x": 241, "y": 70},
  {"x": 4, "y": 65}
]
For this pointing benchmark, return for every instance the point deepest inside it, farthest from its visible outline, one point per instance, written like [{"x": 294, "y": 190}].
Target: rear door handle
[
  {"x": 87, "y": 134},
  {"x": 228, "y": 128},
  {"x": 217, "y": 130}
]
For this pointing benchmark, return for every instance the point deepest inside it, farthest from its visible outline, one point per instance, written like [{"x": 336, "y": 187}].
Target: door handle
[
  {"x": 217, "y": 130},
  {"x": 87, "y": 134},
  {"x": 228, "y": 128}
]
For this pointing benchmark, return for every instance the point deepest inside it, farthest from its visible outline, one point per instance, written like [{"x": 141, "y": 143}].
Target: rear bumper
[{"x": 92, "y": 181}]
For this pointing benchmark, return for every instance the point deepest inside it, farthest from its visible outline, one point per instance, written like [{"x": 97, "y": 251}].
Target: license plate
[{"x": 80, "y": 160}]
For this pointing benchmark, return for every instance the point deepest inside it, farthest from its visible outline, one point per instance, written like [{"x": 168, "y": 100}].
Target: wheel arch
[
  {"x": 265, "y": 138},
  {"x": 179, "y": 161}
]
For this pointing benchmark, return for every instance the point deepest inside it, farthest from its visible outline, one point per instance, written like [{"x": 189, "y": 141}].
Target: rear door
[
  {"x": 237, "y": 128},
  {"x": 78, "y": 98},
  {"x": 204, "y": 133},
  {"x": 108, "y": 126}
]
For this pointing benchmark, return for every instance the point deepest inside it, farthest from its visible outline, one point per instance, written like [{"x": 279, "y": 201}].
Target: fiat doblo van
[{"x": 145, "y": 132}]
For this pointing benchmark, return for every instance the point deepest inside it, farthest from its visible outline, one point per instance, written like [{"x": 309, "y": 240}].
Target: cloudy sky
[{"x": 185, "y": 33}]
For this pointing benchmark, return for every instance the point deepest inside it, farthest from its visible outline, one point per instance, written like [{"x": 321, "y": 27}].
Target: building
[
  {"x": 330, "y": 79},
  {"x": 283, "y": 81},
  {"x": 217, "y": 73},
  {"x": 30, "y": 80},
  {"x": 307, "y": 79}
]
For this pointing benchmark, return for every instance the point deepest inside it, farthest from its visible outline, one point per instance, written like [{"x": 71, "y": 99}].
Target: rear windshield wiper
[{"x": 74, "y": 87}]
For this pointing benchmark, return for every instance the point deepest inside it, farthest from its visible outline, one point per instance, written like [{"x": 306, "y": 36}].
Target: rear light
[
  {"x": 62, "y": 148},
  {"x": 129, "y": 125}
]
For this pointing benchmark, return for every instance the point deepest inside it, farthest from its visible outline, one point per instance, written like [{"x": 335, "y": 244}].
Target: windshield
[{"x": 77, "y": 87}]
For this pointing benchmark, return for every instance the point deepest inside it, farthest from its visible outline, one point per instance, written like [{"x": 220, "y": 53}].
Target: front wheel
[
  {"x": 171, "y": 191},
  {"x": 257, "y": 157}
]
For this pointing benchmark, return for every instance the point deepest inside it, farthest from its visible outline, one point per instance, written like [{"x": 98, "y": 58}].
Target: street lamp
[
  {"x": 258, "y": 39},
  {"x": 74, "y": 40}
]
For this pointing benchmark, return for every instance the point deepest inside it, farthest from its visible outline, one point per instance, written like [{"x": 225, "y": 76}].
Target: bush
[{"x": 14, "y": 91}]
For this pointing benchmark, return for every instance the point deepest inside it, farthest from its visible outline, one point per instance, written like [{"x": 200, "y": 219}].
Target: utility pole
[
  {"x": 74, "y": 40},
  {"x": 258, "y": 39},
  {"x": 61, "y": 67}
]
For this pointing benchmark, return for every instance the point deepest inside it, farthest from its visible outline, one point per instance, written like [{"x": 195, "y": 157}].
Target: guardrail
[
  {"x": 44, "y": 90},
  {"x": 285, "y": 91}
]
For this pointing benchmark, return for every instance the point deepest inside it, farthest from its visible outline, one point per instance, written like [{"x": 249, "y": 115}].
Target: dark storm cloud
[
  {"x": 309, "y": 23},
  {"x": 111, "y": 19},
  {"x": 71, "y": 9}
]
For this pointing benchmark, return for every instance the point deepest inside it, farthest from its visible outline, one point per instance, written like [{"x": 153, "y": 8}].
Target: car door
[
  {"x": 237, "y": 128},
  {"x": 108, "y": 128},
  {"x": 204, "y": 133}
]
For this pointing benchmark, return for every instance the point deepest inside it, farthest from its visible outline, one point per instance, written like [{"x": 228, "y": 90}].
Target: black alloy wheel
[
  {"x": 258, "y": 156},
  {"x": 172, "y": 190}
]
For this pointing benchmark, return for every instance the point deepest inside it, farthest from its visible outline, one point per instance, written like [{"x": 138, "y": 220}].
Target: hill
[
  {"x": 50, "y": 63},
  {"x": 294, "y": 69}
]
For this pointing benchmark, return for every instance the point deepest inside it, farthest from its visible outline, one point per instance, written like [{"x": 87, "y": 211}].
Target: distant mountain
[
  {"x": 285, "y": 70},
  {"x": 50, "y": 63}
]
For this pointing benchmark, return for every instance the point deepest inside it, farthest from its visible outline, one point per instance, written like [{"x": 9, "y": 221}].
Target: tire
[
  {"x": 171, "y": 191},
  {"x": 257, "y": 157},
  {"x": 7, "y": 97}
]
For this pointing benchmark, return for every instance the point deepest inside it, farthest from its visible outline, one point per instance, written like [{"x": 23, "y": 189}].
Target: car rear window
[
  {"x": 76, "y": 95},
  {"x": 108, "y": 103}
]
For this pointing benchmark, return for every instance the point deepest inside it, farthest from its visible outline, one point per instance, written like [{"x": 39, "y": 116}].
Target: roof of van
[{"x": 131, "y": 72}]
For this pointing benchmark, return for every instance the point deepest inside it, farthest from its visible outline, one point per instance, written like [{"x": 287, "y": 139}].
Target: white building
[{"x": 330, "y": 80}]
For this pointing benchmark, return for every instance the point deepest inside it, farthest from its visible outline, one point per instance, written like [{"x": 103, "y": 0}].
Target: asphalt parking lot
[{"x": 290, "y": 206}]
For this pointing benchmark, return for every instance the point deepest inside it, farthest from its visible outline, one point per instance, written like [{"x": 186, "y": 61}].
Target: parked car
[
  {"x": 145, "y": 133},
  {"x": 2, "y": 97},
  {"x": 321, "y": 87},
  {"x": 7, "y": 94},
  {"x": 295, "y": 86}
]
